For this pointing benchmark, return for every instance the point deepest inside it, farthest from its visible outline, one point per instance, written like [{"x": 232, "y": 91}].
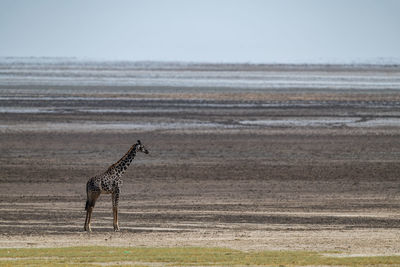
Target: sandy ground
[{"x": 209, "y": 179}]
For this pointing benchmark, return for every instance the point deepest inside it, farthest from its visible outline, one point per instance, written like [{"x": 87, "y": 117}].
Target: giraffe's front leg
[
  {"x": 115, "y": 199},
  {"x": 115, "y": 213}
]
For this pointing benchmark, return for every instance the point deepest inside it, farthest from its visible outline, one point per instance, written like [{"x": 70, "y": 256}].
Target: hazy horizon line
[{"x": 370, "y": 61}]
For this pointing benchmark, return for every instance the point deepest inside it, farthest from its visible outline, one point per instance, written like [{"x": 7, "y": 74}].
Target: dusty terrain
[{"x": 225, "y": 168}]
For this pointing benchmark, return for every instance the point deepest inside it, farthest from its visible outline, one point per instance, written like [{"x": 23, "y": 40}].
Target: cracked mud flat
[{"x": 309, "y": 169}]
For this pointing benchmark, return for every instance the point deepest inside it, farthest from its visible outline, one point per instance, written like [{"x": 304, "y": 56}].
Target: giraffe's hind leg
[{"x": 90, "y": 202}]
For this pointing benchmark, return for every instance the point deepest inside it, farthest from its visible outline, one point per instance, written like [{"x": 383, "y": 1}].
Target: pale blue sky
[{"x": 203, "y": 30}]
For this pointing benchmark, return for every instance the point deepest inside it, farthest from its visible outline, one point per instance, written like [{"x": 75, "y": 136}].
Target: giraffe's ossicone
[{"x": 110, "y": 182}]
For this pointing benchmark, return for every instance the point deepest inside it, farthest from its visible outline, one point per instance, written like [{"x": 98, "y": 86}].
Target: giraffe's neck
[{"x": 121, "y": 165}]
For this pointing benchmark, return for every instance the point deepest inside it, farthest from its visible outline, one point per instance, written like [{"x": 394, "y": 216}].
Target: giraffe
[{"x": 110, "y": 182}]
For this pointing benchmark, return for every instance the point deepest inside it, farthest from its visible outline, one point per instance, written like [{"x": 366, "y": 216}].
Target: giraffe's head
[{"x": 140, "y": 147}]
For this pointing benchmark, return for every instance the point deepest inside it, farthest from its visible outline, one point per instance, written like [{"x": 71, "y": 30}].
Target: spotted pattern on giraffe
[{"x": 110, "y": 182}]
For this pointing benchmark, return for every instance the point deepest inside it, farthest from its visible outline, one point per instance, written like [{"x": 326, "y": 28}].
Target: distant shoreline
[{"x": 379, "y": 62}]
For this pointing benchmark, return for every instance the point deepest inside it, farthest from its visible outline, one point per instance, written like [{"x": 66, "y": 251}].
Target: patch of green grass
[{"x": 178, "y": 256}]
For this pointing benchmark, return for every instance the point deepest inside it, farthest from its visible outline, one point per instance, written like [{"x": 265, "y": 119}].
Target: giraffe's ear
[{"x": 138, "y": 141}]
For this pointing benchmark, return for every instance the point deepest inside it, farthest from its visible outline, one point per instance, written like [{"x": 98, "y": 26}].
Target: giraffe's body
[{"x": 109, "y": 182}]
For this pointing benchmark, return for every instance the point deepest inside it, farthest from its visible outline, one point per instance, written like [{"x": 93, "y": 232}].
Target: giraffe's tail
[{"x": 87, "y": 198}]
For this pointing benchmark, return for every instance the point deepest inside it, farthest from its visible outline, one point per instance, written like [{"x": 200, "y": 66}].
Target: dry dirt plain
[{"x": 214, "y": 177}]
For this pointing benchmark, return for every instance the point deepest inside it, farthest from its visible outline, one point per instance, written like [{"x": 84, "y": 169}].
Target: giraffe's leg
[
  {"x": 115, "y": 199},
  {"x": 115, "y": 213},
  {"x": 91, "y": 201},
  {"x": 86, "y": 227},
  {"x": 87, "y": 221}
]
